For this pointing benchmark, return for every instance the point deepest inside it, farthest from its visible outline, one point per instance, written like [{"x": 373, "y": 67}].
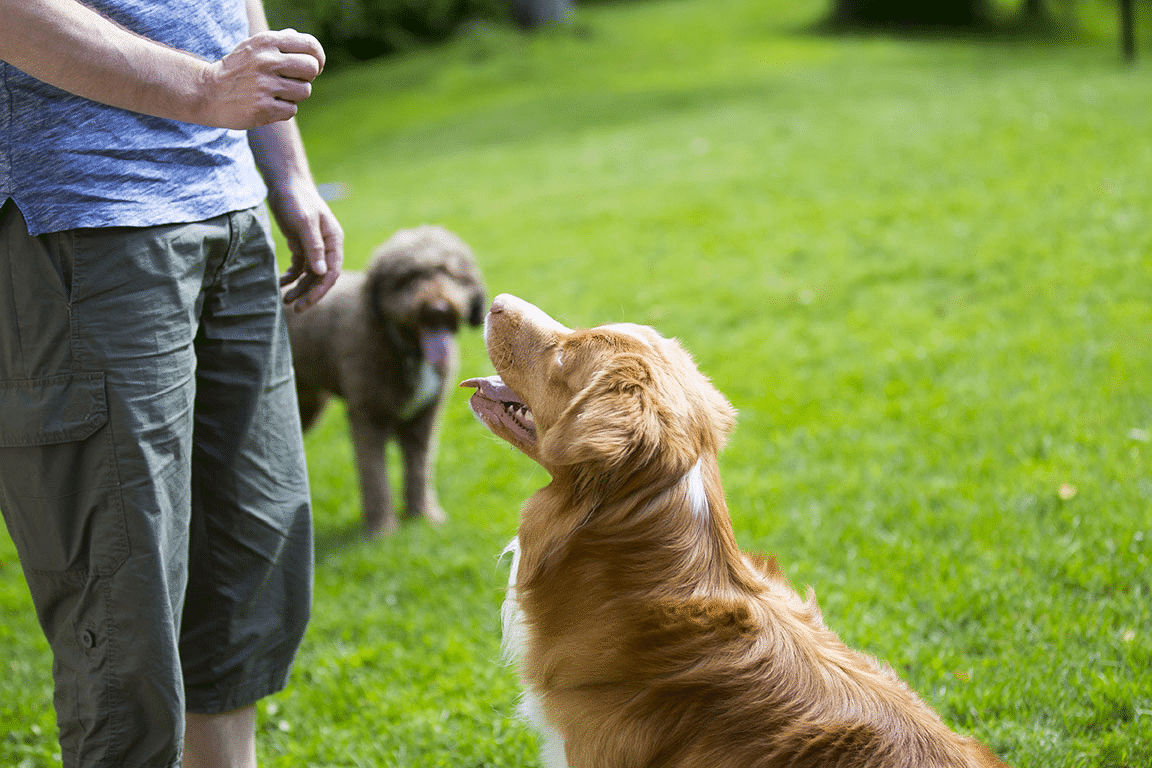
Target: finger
[
  {"x": 312, "y": 240},
  {"x": 307, "y": 293},
  {"x": 333, "y": 243},
  {"x": 291, "y": 275},
  {"x": 299, "y": 66},
  {"x": 291, "y": 41},
  {"x": 293, "y": 91},
  {"x": 310, "y": 289},
  {"x": 299, "y": 289},
  {"x": 322, "y": 286},
  {"x": 271, "y": 109}
]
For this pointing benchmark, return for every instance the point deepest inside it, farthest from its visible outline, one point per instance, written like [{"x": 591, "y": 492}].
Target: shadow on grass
[
  {"x": 1019, "y": 29},
  {"x": 332, "y": 540},
  {"x": 551, "y": 118},
  {"x": 335, "y": 538}
]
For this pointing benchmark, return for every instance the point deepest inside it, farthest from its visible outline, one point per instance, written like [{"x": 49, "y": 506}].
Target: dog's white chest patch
[
  {"x": 514, "y": 641},
  {"x": 428, "y": 386},
  {"x": 697, "y": 494}
]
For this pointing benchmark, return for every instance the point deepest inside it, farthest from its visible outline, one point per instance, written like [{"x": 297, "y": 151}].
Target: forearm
[
  {"x": 277, "y": 148},
  {"x": 257, "y": 19},
  {"x": 68, "y": 45},
  {"x": 279, "y": 153}
]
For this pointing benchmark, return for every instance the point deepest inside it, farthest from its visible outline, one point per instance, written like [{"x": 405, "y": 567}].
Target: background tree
[{"x": 532, "y": 14}]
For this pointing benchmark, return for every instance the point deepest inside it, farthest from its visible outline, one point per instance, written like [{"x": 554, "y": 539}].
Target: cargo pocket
[{"x": 58, "y": 484}]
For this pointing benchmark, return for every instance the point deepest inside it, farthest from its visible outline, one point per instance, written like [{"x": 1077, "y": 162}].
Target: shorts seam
[
  {"x": 272, "y": 681},
  {"x": 75, "y": 760},
  {"x": 111, "y": 693}
]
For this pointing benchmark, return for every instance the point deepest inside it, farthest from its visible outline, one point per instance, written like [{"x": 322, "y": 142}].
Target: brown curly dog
[{"x": 385, "y": 341}]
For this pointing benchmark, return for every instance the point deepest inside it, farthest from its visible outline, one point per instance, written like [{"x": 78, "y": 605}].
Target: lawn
[{"x": 920, "y": 267}]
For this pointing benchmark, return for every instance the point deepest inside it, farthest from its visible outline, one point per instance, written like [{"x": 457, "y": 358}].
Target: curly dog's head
[{"x": 424, "y": 282}]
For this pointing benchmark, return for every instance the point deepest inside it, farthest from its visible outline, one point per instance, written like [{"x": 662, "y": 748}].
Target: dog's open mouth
[{"x": 502, "y": 410}]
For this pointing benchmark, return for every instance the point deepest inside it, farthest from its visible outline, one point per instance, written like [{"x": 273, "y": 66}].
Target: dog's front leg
[
  {"x": 369, "y": 439},
  {"x": 418, "y": 446}
]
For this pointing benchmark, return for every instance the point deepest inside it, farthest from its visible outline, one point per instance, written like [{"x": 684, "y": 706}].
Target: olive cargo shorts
[{"x": 152, "y": 474}]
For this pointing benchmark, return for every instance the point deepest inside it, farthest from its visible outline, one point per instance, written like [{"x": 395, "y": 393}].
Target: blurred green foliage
[{"x": 365, "y": 29}]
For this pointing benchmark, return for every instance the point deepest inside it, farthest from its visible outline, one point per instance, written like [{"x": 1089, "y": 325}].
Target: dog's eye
[{"x": 403, "y": 281}]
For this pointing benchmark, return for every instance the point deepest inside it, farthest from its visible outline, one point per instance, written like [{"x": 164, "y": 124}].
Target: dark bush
[
  {"x": 911, "y": 12},
  {"x": 364, "y": 29}
]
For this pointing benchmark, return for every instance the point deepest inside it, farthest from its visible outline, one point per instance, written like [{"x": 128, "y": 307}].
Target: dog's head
[
  {"x": 617, "y": 400},
  {"x": 425, "y": 281}
]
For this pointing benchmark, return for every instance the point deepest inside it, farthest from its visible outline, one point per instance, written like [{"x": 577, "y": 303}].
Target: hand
[
  {"x": 262, "y": 80},
  {"x": 315, "y": 240}
]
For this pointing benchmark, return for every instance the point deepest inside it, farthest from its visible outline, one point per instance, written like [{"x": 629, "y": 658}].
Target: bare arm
[
  {"x": 68, "y": 45},
  {"x": 314, "y": 236}
]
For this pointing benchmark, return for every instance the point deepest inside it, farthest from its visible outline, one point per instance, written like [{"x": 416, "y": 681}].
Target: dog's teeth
[{"x": 520, "y": 412}]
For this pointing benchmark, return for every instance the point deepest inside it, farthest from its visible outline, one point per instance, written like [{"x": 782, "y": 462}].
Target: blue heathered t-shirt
[{"x": 69, "y": 162}]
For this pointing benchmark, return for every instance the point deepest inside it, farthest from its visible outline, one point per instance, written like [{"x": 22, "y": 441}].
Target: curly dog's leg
[
  {"x": 368, "y": 440},
  {"x": 418, "y": 446}
]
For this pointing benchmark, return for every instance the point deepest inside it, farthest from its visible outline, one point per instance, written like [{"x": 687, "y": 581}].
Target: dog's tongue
[
  {"x": 493, "y": 388},
  {"x": 438, "y": 346}
]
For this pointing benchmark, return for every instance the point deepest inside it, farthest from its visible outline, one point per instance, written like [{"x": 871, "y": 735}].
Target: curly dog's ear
[
  {"x": 376, "y": 290},
  {"x": 478, "y": 307}
]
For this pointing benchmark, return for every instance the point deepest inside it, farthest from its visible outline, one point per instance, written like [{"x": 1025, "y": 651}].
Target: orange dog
[{"x": 645, "y": 638}]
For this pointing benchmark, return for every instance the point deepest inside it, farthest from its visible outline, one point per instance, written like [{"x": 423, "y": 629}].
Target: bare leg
[{"x": 226, "y": 740}]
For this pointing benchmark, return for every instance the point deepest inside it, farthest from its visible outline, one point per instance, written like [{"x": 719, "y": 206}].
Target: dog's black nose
[{"x": 439, "y": 314}]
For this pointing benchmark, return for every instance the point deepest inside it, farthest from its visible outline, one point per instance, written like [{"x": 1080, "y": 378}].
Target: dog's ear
[
  {"x": 477, "y": 306},
  {"x": 702, "y": 411},
  {"x": 717, "y": 417},
  {"x": 632, "y": 412},
  {"x": 613, "y": 420},
  {"x": 375, "y": 283}
]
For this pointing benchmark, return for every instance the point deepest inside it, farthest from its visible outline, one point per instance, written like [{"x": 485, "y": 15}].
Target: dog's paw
[
  {"x": 434, "y": 514},
  {"x": 383, "y": 525}
]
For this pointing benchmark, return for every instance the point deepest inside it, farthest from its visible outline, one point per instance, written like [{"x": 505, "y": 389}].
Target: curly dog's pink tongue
[{"x": 438, "y": 346}]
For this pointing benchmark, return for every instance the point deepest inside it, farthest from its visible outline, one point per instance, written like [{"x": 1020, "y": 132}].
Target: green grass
[{"x": 920, "y": 267}]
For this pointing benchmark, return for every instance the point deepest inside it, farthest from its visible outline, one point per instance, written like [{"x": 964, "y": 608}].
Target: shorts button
[{"x": 88, "y": 639}]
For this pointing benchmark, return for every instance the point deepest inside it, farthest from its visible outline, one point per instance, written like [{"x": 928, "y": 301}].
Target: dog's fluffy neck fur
[
  {"x": 591, "y": 596},
  {"x": 563, "y": 516}
]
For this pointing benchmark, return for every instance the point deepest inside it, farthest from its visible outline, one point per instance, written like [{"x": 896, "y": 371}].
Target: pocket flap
[{"x": 55, "y": 409}]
